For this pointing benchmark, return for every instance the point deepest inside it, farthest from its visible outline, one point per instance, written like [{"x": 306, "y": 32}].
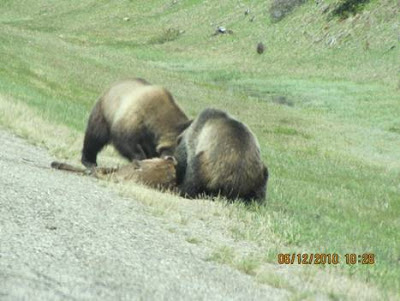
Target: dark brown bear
[
  {"x": 219, "y": 155},
  {"x": 139, "y": 119},
  {"x": 157, "y": 172}
]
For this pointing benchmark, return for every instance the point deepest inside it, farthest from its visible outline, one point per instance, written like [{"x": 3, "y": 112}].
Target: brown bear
[
  {"x": 157, "y": 172},
  {"x": 219, "y": 155},
  {"x": 141, "y": 120}
]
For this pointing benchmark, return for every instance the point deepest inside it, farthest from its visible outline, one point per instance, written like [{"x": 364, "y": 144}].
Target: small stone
[
  {"x": 325, "y": 8},
  {"x": 260, "y": 48},
  {"x": 221, "y": 29}
]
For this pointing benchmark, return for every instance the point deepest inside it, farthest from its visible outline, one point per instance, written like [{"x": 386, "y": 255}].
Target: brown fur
[
  {"x": 218, "y": 155},
  {"x": 141, "y": 120},
  {"x": 157, "y": 172}
]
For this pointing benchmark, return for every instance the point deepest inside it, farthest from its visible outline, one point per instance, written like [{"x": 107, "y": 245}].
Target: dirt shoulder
[{"x": 64, "y": 236}]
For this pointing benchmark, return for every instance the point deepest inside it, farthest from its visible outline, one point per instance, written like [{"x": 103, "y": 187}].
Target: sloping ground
[
  {"x": 64, "y": 237},
  {"x": 323, "y": 99}
]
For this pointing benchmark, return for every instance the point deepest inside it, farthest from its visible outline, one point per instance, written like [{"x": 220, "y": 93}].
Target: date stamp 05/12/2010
[{"x": 326, "y": 258}]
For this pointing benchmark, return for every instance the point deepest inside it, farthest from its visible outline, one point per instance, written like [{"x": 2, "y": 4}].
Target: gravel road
[{"x": 64, "y": 236}]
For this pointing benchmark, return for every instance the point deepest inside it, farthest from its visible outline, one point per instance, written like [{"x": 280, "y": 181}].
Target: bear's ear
[
  {"x": 142, "y": 81},
  {"x": 183, "y": 126},
  {"x": 172, "y": 159},
  {"x": 179, "y": 138}
]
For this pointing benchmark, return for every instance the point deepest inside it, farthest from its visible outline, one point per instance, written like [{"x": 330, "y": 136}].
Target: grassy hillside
[{"x": 323, "y": 100}]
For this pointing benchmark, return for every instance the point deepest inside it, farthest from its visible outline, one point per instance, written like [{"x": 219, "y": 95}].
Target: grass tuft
[
  {"x": 346, "y": 8},
  {"x": 171, "y": 34},
  {"x": 281, "y": 8}
]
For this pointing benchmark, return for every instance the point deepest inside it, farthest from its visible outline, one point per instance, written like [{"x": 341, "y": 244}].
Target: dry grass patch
[{"x": 61, "y": 141}]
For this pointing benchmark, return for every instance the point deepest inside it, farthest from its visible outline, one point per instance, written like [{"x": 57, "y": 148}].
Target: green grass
[{"x": 323, "y": 100}]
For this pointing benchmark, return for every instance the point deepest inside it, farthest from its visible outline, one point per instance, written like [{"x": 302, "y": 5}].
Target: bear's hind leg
[{"x": 128, "y": 146}]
